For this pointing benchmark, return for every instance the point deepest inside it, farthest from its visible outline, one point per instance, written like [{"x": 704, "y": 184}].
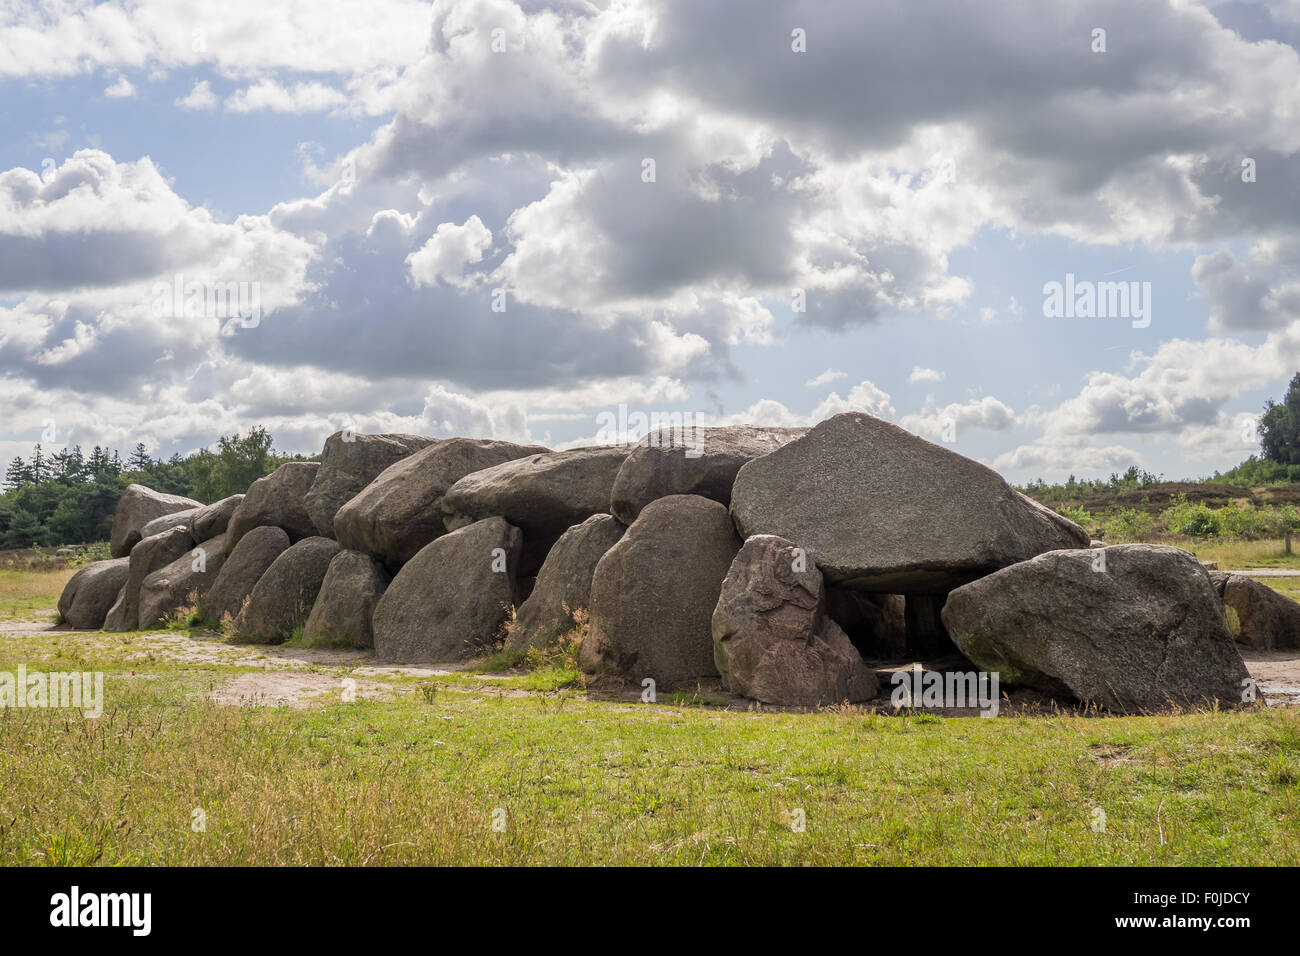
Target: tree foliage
[
  {"x": 1279, "y": 427},
  {"x": 66, "y": 496}
]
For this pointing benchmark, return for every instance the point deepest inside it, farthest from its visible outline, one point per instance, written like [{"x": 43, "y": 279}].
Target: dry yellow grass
[
  {"x": 29, "y": 595},
  {"x": 1233, "y": 555}
]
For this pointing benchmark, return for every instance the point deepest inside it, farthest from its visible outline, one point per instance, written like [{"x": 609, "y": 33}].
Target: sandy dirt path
[{"x": 291, "y": 676}]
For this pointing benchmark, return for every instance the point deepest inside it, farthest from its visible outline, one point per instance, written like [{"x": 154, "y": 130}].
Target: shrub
[
  {"x": 1128, "y": 524},
  {"x": 1251, "y": 522},
  {"x": 1195, "y": 520},
  {"x": 1080, "y": 516},
  {"x": 1237, "y": 522},
  {"x": 1288, "y": 516}
]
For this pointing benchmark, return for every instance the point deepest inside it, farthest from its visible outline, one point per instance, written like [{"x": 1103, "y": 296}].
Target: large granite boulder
[
  {"x": 148, "y": 555},
  {"x": 690, "y": 461},
  {"x": 91, "y": 592},
  {"x": 115, "y": 620},
  {"x": 212, "y": 520},
  {"x": 177, "y": 519},
  {"x": 349, "y": 463},
  {"x": 277, "y": 499},
  {"x": 564, "y": 583},
  {"x": 883, "y": 510},
  {"x": 244, "y": 567},
  {"x": 1257, "y": 616},
  {"x": 543, "y": 495},
  {"x": 451, "y": 600},
  {"x": 135, "y": 509},
  {"x": 772, "y": 638},
  {"x": 653, "y": 593},
  {"x": 1133, "y": 627},
  {"x": 400, "y": 511},
  {"x": 345, "y": 607},
  {"x": 283, "y": 597},
  {"x": 185, "y": 580}
]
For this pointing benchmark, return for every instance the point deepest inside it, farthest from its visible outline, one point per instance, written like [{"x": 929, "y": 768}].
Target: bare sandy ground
[
  {"x": 1277, "y": 673},
  {"x": 282, "y": 677},
  {"x": 279, "y": 689},
  {"x": 294, "y": 677}
]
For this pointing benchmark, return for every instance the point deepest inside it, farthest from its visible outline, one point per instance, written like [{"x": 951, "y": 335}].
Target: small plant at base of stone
[
  {"x": 228, "y": 629},
  {"x": 188, "y": 616}
]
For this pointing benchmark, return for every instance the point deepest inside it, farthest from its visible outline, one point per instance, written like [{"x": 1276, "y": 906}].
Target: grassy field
[
  {"x": 26, "y": 595},
  {"x": 480, "y": 768},
  {"x": 1234, "y": 555},
  {"x": 1239, "y": 555}
]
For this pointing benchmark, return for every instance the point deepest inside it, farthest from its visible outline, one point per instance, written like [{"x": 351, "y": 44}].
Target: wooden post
[{"x": 1288, "y": 542}]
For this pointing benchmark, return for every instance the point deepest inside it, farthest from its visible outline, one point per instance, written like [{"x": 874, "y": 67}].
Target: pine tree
[
  {"x": 139, "y": 460},
  {"x": 24, "y": 530},
  {"x": 77, "y": 464},
  {"x": 67, "y": 466},
  {"x": 40, "y": 466},
  {"x": 98, "y": 463},
  {"x": 18, "y": 473}
]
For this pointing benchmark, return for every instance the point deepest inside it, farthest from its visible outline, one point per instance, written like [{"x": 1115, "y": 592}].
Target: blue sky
[{"x": 374, "y": 172}]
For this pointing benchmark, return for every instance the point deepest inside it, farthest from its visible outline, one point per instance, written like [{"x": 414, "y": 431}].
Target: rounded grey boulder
[
  {"x": 1257, "y": 616},
  {"x": 91, "y": 592},
  {"x": 883, "y": 510},
  {"x": 244, "y": 567},
  {"x": 400, "y": 512},
  {"x": 148, "y": 555},
  {"x": 564, "y": 583},
  {"x": 212, "y": 520},
  {"x": 451, "y": 600},
  {"x": 690, "y": 461},
  {"x": 542, "y": 495},
  {"x": 772, "y": 640},
  {"x": 177, "y": 519},
  {"x": 136, "y": 508},
  {"x": 1132, "y": 627},
  {"x": 654, "y": 592},
  {"x": 350, "y": 462},
  {"x": 115, "y": 620},
  {"x": 187, "y": 578},
  {"x": 277, "y": 499},
  {"x": 345, "y": 607},
  {"x": 283, "y": 597}
]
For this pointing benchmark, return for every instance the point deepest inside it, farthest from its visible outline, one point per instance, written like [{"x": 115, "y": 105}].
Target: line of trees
[
  {"x": 1278, "y": 461},
  {"x": 67, "y": 497}
]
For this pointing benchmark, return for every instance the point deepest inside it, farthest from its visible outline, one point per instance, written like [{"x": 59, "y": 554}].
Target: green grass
[
  {"x": 553, "y": 678},
  {"x": 693, "y": 698},
  {"x": 421, "y": 777}
]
